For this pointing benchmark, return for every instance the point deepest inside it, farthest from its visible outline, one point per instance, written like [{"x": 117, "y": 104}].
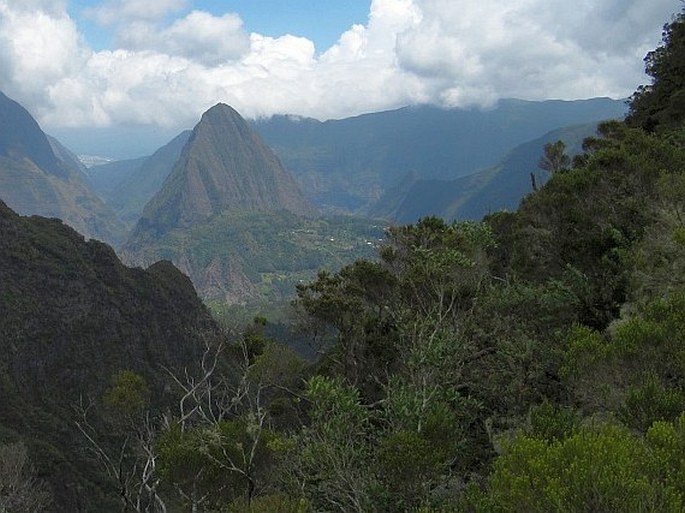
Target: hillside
[
  {"x": 473, "y": 196},
  {"x": 347, "y": 165},
  {"x": 226, "y": 215},
  {"x": 260, "y": 256},
  {"x": 224, "y": 166},
  {"x": 71, "y": 315},
  {"x": 37, "y": 179}
]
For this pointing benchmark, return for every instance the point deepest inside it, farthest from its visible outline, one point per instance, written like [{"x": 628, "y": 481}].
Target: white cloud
[
  {"x": 199, "y": 36},
  {"x": 55, "y": 7},
  {"x": 114, "y": 12},
  {"x": 39, "y": 45},
  {"x": 469, "y": 52},
  {"x": 449, "y": 52}
]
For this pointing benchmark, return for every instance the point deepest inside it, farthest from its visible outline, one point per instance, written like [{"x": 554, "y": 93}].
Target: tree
[
  {"x": 661, "y": 104},
  {"x": 125, "y": 448},
  {"x": 19, "y": 491},
  {"x": 555, "y": 158},
  {"x": 599, "y": 468},
  {"x": 350, "y": 311},
  {"x": 221, "y": 445},
  {"x": 331, "y": 460},
  {"x": 399, "y": 366},
  {"x": 638, "y": 364}
]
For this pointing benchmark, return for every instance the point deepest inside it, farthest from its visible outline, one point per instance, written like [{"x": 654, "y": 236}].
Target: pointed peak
[{"x": 221, "y": 111}]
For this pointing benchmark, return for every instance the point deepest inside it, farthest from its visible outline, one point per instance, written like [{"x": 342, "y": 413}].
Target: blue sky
[
  {"x": 322, "y": 21},
  {"x": 95, "y": 65}
]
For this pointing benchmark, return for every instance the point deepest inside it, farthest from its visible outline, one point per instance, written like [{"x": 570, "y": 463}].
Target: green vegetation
[
  {"x": 531, "y": 362},
  {"x": 259, "y": 257},
  {"x": 599, "y": 468},
  {"x": 660, "y": 106}
]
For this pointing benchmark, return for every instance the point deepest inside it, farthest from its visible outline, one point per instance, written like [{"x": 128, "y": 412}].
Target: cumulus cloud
[
  {"x": 469, "y": 52},
  {"x": 114, "y": 12},
  {"x": 447, "y": 52},
  {"x": 199, "y": 37},
  {"x": 39, "y": 45}
]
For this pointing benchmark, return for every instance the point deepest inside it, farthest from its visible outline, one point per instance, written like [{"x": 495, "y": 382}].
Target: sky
[{"x": 97, "y": 64}]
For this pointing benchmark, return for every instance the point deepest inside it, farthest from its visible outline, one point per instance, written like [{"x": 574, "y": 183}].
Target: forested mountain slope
[{"x": 71, "y": 316}]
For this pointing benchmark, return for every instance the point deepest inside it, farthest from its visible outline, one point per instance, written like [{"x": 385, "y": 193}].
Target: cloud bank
[{"x": 169, "y": 65}]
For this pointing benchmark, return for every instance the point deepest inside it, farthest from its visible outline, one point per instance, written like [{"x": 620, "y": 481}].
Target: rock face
[
  {"x": 130, "y": 197},
  {"x": 37, "y": 177},
  {"x": 211, "y": 214},
  {"x": 71, "y": 315},
  {"x": 128, "y": 185},
  {"x": 224, "y": 166}
]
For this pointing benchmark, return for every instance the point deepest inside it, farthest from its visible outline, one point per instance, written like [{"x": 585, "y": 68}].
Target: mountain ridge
[
  {"x": 347, "y": 165},
  {"x": 223, "y": 166},
  {"x": 500, "y": 187},
  {"x": 72, "y": 315},
  {"x": 39, "y": 176}
]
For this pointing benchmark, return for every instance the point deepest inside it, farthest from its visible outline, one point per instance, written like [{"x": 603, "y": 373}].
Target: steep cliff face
[
  {"x": 71, "y": 315},
  {"x": 226, "y": 193},
  {"x": 130, "y": 197},
  {"x": 22, "y": 138},
  {"x": 70, "y": 311},
  {"x": 36, "y": 179},
  {"x": 224, "y": 166}
]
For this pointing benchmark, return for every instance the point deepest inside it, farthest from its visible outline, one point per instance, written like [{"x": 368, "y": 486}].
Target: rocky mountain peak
[{"x": 224, "y": 166}]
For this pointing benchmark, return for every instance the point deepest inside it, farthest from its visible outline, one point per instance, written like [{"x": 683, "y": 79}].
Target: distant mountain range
[
  {"x": 39, "y": 176},
  {"x": 220, "y": 203},
  {"x": 500, "y": 187},
  {"x": 350, "y": 164},
  {"x": 363, "y": 165}
]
